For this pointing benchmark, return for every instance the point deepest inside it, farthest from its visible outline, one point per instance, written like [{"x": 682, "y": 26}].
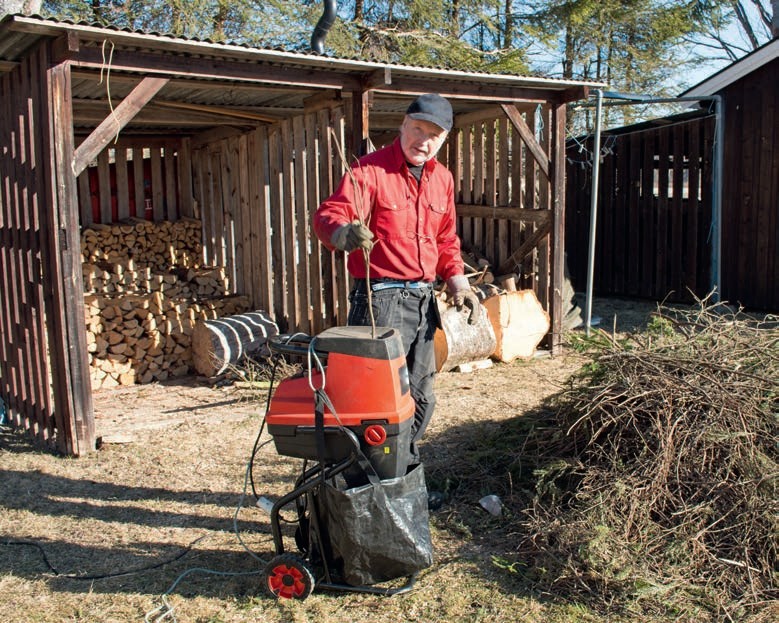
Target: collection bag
[{"x": 381, "y": 530}]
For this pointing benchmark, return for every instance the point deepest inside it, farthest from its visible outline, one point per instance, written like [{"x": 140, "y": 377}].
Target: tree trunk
[
  {"x": 459, "y": 342},
  {"x": 216, "y": 344}
]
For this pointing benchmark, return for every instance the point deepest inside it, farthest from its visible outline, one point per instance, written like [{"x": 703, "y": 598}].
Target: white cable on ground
[{"x": 165, "y": 610}]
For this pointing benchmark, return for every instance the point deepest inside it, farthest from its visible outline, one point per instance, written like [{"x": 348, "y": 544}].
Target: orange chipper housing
[{"x": 366, "y": 380}]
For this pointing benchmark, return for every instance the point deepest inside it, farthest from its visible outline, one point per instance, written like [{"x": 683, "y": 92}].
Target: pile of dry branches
[{"x": 663, "y": 472}]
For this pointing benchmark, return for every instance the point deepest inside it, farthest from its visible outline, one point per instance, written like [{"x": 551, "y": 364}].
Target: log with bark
[
  {"x": 219, "y": 343},
  {"x": 459, "y": 342}
]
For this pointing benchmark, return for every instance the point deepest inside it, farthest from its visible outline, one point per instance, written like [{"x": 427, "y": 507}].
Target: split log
[
  {"x": 459, "y": 342},
  {"x": 145, "y": 289},
  {"x": 159, "y": 245},
  {"x": 519, "y": 323},
  {"x": 223, "y": 341}
]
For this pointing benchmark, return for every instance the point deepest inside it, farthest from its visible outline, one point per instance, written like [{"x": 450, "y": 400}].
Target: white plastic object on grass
[{"x": 492, "y": 504}]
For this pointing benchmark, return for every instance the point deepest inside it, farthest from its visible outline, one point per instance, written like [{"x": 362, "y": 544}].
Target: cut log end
[{"x": 519, "y": 323}]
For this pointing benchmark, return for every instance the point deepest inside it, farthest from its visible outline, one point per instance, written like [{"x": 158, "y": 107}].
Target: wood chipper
[{"x": 360, "y": 505}]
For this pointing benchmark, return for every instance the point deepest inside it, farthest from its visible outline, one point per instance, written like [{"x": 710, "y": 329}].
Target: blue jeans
[{"x": 413, "y": 312}]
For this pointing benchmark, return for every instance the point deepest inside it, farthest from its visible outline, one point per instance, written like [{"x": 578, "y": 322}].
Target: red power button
[{"x": 375, "y": 435}]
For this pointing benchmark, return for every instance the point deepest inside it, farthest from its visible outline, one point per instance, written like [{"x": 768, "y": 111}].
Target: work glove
[
  {"x": 463, "y": 296},
  {"x": 351, "y": 236}
]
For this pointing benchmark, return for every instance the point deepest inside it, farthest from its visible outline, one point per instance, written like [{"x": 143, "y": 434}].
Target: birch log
[
  {"x": 223, "y": 341},
  {"x": 459, "y": 342}
]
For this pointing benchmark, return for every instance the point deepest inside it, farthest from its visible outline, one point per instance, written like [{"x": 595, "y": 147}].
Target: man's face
[{"x": 420, "y": 140}]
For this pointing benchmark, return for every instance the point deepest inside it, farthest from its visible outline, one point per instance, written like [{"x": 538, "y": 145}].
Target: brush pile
[{"x": 659, "y": 474}]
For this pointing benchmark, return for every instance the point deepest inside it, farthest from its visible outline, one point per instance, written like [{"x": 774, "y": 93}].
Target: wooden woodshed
[
  {"x": 671, "y": 226},
  {"x": 104, "y": 125}
]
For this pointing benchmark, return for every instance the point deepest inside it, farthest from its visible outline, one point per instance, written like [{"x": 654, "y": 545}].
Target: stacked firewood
[
  {"x": 141, "y": 338},
  {"x": 144, "y": 292},
  {"x": 159, "y": 246},
  {"x": 126, "y": 277}
]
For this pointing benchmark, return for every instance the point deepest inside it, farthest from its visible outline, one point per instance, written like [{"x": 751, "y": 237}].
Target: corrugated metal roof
[
  {"x": 256, "y": 85},
  {"x": 30, "y": 28}
]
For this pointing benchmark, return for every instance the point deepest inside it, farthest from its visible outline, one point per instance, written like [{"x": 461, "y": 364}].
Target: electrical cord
[
  {"x": 101, "y": 576},
  {"x": 256, "y": 448},
  {"x": 164, "y": 611}
]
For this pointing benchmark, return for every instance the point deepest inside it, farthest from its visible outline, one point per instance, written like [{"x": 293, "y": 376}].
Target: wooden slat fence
[
  {"x": 255, "y": 195},
  {"x": 502, "y": 195},
  {"x": 34, "y": 384},
  {"x": 141, "y": 178},
  {"x": 654, "y": 212}
]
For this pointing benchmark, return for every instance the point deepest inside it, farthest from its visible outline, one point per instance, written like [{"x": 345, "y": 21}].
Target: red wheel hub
[{"x": 287, "y": 582}]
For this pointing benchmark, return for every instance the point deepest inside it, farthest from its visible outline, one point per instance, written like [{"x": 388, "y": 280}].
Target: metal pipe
[
  {"x": 716, "y": 199},
  {"x": 628, "y": 99},
  {"x": 323, "y": 26},
  {"x": 715, "y": 234},
  {"x": 593, "y": 209}
]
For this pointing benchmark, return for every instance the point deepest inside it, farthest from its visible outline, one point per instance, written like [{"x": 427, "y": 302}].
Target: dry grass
[{"x": 103, "y": 537}]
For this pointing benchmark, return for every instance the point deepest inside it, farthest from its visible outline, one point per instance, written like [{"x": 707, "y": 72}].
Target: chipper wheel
[{"x": 288, "y": 577}]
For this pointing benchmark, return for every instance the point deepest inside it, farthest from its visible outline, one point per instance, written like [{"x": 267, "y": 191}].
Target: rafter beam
[
  {"x": 111, "y": 125},
  {"x": 465, "y": 90},
  {"x": 527, "y": 137}
]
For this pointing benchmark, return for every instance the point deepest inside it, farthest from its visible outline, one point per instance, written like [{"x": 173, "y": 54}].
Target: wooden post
[
  {"x": 361, "y": 104},
  {"x": 557, "y": 183},
  {"x": 69, "y": 350}
]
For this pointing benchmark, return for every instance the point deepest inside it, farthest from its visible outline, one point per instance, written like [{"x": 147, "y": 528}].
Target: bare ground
[{"x": 155, "y": 510}]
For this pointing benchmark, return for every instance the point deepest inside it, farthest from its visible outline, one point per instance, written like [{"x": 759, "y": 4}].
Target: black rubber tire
[{"x": 288, "y": 577}]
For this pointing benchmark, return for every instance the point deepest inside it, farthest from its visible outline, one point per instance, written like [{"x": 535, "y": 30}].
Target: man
[{"x": 398, "y": 204}]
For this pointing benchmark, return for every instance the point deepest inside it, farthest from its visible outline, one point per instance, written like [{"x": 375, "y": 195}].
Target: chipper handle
[{"x": 294, "y": 344}]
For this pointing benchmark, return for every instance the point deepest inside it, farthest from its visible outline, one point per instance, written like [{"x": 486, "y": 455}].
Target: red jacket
[{"x": 413, "y": 223}]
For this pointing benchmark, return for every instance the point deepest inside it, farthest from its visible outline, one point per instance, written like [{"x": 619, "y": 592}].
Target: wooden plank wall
[
  {"x": 141, "y": 178},
  {"x": 256, "y": 193},
  {"x": 750, "y": 197},
  {"x": 25, "y": 374},
  {"x": 654, "y": 212}
]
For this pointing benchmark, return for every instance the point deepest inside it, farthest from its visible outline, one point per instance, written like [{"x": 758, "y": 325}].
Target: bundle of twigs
[{"x": 664, "y": 468}]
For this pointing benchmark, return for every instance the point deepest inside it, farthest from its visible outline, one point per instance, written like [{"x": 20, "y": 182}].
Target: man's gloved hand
[
  {"x": 462, "y": 295},
  {"x": 351, "y": 236}
]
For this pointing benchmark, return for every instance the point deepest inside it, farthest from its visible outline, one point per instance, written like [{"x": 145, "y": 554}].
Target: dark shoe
[{"x": 435, "y": 500}]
